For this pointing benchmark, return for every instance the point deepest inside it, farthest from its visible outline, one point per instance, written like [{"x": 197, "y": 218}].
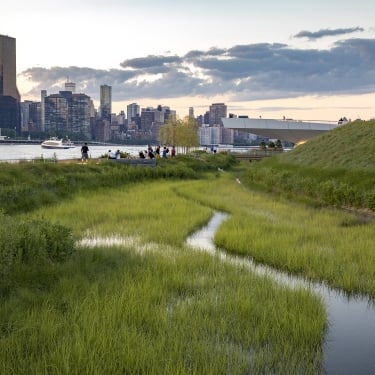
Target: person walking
[{"x": 85, "y": 152}]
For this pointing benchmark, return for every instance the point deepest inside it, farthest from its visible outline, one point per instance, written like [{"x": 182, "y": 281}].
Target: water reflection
[{"x": 350, "y": 340}]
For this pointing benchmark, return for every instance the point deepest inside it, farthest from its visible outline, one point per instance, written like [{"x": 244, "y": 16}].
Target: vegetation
[
  {"x": 150, "y": 304},
  {"x": 30, "y": 242},
  {"x": 350, "y": 146},
  {"x": 336, "y": 169},
  {"x": 30, "y": 185},
  {"x": 320, "y": 244},
  {"x": 181, "y": 133},
  {"x": 96, "y": 276}
]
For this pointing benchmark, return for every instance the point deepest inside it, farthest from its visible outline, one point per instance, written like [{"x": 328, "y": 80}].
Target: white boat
[{"x": 57, "y": 143}]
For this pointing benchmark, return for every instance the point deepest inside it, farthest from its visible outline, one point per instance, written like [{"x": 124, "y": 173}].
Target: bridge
[{"x": 286, "y": 130}]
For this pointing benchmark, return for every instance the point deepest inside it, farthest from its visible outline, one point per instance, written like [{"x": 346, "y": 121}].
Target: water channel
[{"x": 349, "y": 347}]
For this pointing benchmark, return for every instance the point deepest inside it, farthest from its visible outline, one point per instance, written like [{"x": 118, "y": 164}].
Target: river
[
  {"x": 350, "y": 341},
  {"x": 12, "y": 152}
]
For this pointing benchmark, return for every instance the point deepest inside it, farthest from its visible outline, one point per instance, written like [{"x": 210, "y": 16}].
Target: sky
[{"x": 306, "y": 60}]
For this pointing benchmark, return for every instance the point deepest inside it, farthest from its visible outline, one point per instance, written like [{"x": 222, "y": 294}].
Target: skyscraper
[
  {"x": 9, "y": 95},
  {"x": 217, "y": 112},
  {"x": 8, "y": 73},
  {"x": 43, "y": 95},
  {"x": 67, "y": 113},
  {"x": 133, "y": 110},
  {"x": 106, "y": 102}
]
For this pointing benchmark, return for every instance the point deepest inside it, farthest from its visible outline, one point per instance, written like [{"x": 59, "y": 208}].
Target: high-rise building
[
  {"x": 191, "y": 112},
  {"x": 147, "y": 118},
  {"x": 217, "y": 112},
  {"x": 67, "y": 113},
  {"x": 106, "y": 102},
  {"x": 8, "y": 72},
  {"x": 9, "y": 95},
  {"x": 43, "y": 95},
  {"x": 133, "y": 111},
  {"x": 56, "y": 114}
]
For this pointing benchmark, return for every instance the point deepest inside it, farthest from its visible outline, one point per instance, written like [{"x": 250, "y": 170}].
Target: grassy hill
[
  {"x": 336, "y": 168},
  {"x": 350, "y": 146}
]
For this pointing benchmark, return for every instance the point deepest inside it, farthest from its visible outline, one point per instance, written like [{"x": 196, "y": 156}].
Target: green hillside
[
  {"x": 350, "y": 146},
  {"x": 336, "y": 169}
]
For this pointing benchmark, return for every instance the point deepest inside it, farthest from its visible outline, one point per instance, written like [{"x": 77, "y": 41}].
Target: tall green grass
[
  {"x": 28, "y": 244},
  {"x": 336, "y": 187},
  {"x": 27, "y": 186},
  {"x": 336, "y": 169},
  {"x": 154, "y": 306},
  {"x": 322, "y": 244},
  {"x": 169, "y": 311},
  {"x": 350, "y": 146}
]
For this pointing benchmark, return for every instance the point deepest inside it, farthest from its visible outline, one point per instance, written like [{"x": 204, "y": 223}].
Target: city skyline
[{"x": 305, "y": 61}]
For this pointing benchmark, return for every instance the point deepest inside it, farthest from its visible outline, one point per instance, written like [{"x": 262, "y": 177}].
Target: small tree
[{"x": 180, "y": 133}]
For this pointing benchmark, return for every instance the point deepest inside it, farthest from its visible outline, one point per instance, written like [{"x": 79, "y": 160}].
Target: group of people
[
  {"x": 114, "y": 155},
  {"x": 150, "y": 153}
]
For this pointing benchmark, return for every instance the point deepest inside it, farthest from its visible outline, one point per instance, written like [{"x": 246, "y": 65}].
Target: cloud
[
  {"x": 241, "y": 73},
  {"x": 327, "y": 32},
  {"x": 150, "y": 61}
]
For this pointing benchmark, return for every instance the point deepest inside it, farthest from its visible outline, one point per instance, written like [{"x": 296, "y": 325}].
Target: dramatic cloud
[
  {"x": 327, "y": 32},
  {"x": 150, "y": 61},
  {"x": 242, "y": 73}
]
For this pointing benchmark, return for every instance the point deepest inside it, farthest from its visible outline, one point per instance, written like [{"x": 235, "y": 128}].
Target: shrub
[{"x": 32, "y": 242}]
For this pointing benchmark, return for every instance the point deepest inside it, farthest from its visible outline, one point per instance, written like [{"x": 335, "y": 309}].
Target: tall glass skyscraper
[
  {"x": 106, "y": 102},
  {"x": 8, "y": 73},
  {"x": 9, "y": 95}
]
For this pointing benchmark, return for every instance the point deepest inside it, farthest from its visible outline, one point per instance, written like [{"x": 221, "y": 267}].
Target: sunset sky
[{"x": 305, "y": 60}]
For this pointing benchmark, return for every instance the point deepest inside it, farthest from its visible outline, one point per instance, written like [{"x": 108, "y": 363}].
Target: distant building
[
  {"x": 105, "y": 102},
  {"x": 206, "y": 118},
  {"x": 43, "y": 95},
  {"x": 217, "y": 112},
  {"x": 8, "y": 69},
  {"x": 9, "y": 96},
  {"x": 209, "y": 135},
  {"x": 132, "y": 111},
  {"x": 147, "y": 118},
  {"x": 68, "y": 113}
]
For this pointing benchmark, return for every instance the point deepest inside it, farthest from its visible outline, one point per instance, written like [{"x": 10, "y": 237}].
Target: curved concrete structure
[{"x": 285, "y": 130}]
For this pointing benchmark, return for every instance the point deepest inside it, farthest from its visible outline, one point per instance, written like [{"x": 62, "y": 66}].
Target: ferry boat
[{"x": 55, "y": 143}]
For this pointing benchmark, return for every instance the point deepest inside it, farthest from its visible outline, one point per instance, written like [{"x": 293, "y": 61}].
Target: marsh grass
[
  {"x": 320, "y": 244},
  {"x": 168, "y": 311},
  {"x": 151, "y": 305},
  {"x": 334, "y": 169},
  {"x": 28, "y": 186}
]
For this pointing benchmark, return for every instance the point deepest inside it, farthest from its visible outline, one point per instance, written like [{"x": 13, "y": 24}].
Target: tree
[{"x": 180, "y": 133}]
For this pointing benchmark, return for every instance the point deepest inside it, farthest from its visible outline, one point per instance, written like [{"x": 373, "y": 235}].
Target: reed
[
  {"x": 115, "y": 311},
  {"x": 321, "y": 244},
  {"x": 154, "y": 306}
]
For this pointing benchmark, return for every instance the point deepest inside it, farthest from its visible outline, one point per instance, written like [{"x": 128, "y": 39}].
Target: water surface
[{"x": 349, "y": 347}]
